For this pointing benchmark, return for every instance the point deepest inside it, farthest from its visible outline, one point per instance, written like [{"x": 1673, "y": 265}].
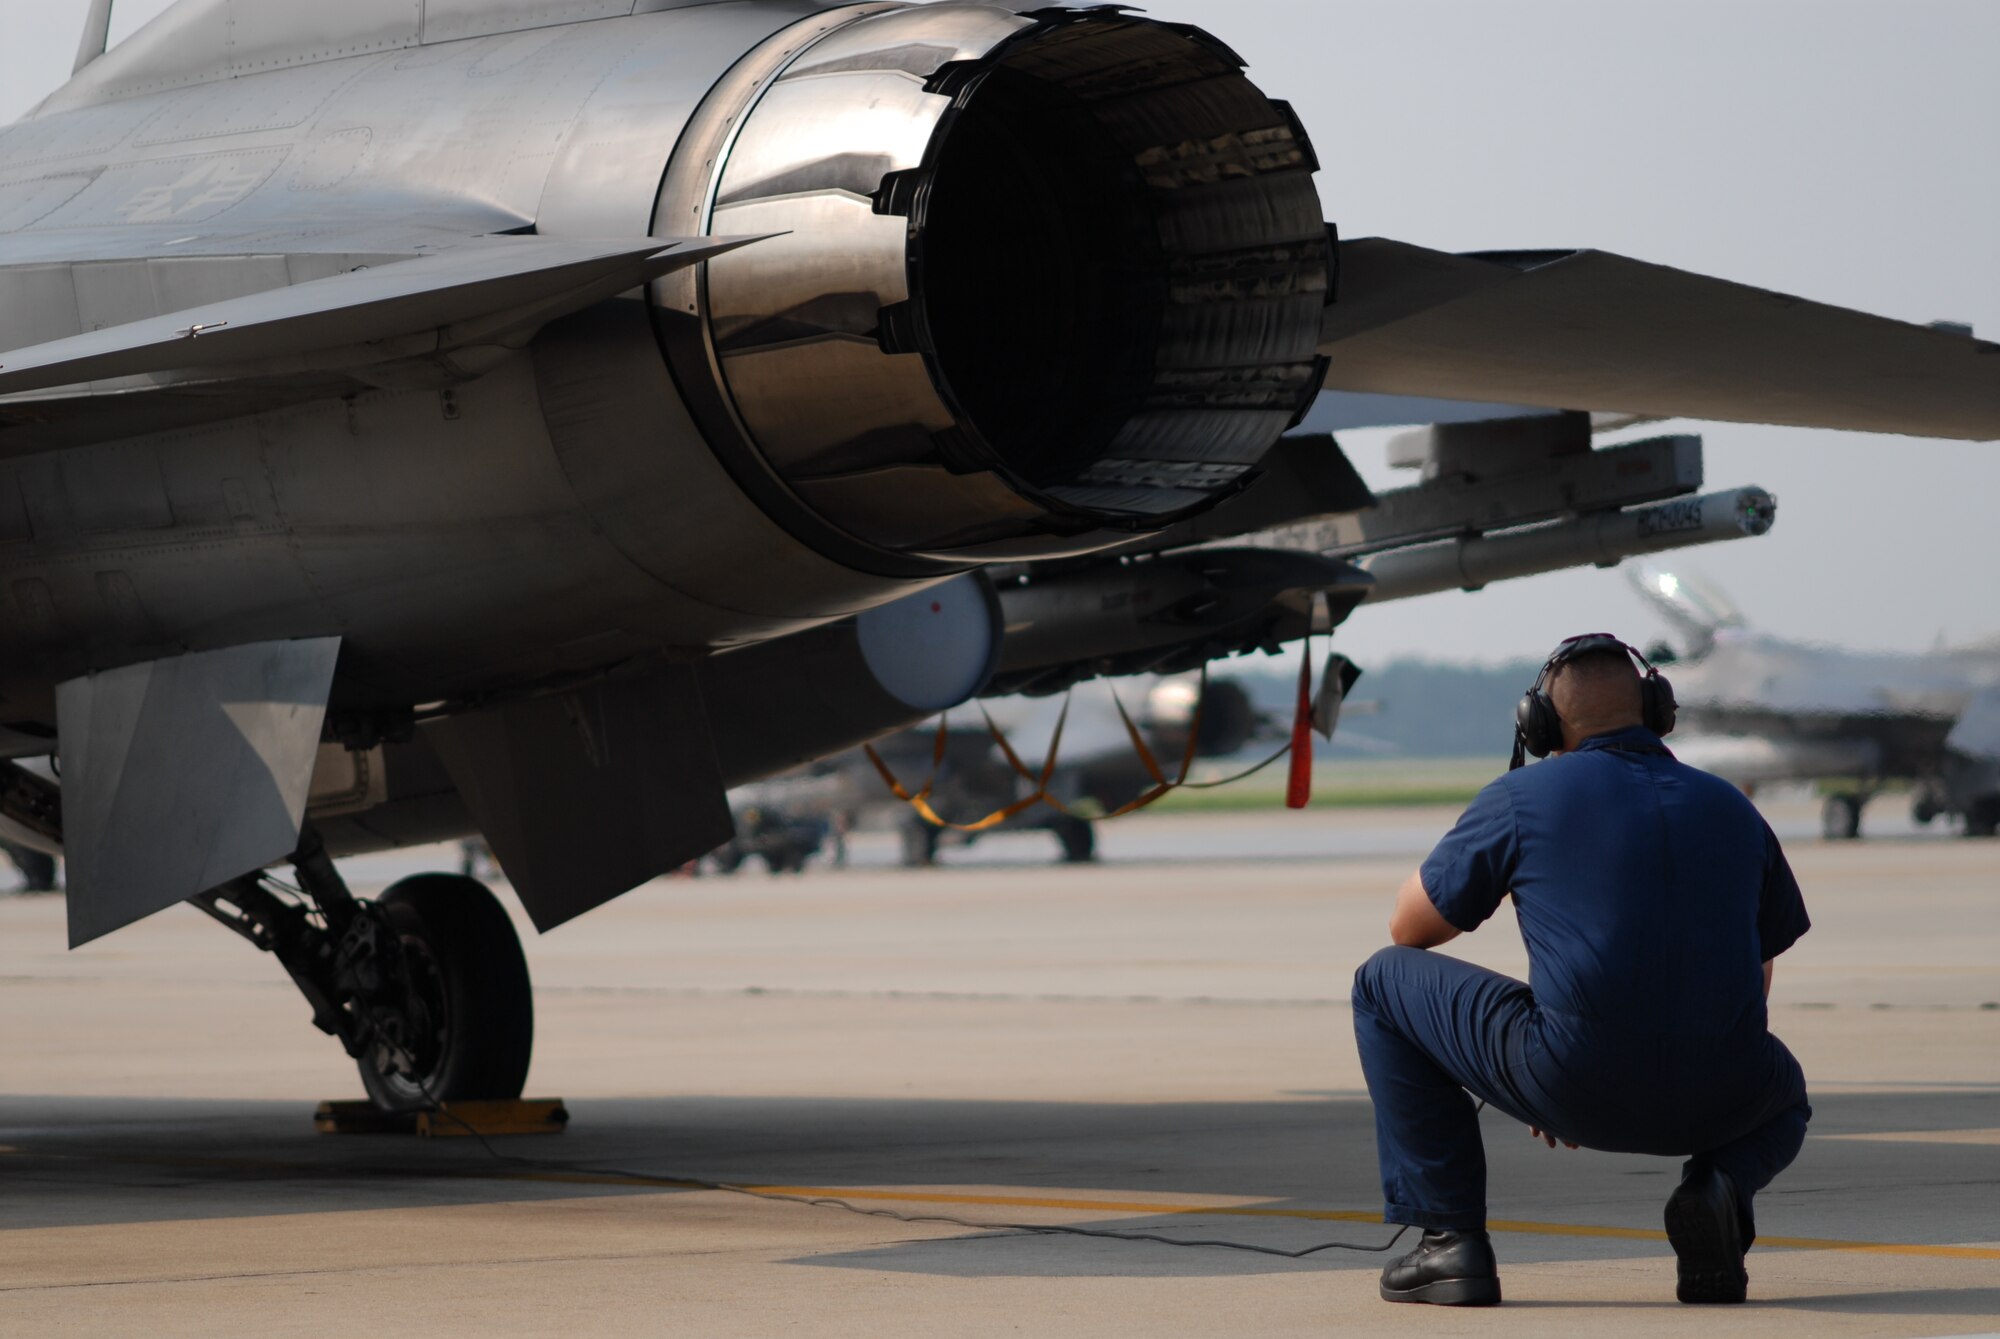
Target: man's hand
[
  {"x": 1547, "y": 1138},
  {"x": 1416, "y": 922}
]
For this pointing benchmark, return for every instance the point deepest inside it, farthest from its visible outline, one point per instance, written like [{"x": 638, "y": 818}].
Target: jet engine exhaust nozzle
[{"x": 1037, "y": 281}]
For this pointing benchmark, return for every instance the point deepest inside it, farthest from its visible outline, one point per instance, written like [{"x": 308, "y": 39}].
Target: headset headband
[
  {"x": 1535, "y": 720},
  {"x": 1588, "y": 643}
]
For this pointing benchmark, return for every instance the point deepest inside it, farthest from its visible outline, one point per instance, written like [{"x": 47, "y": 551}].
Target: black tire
[
  {"x": 476, "y": 1029},
  {"x": 38, "y": 869},
  {"x": 1840, "y": 818},
  {"x": 1983, "y": 818},
  {"x": 1078, "y": 837}
]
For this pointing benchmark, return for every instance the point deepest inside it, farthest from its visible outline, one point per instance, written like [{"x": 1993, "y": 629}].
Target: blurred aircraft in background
[
  {"x": 786, "y": 820},
  {"x": 1759, "y": 709}
]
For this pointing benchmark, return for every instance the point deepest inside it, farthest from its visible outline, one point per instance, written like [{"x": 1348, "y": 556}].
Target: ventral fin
[{"x": 183, "y": 773}]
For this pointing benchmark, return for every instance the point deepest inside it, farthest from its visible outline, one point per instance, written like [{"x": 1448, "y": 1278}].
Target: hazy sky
[{"x": 1841, "y": 151}]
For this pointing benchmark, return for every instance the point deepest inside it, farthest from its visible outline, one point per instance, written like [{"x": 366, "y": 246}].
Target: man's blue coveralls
[{"x": 1650, "y": 894}]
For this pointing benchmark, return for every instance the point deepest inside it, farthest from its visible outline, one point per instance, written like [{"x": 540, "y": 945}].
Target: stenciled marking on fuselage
[{"x": 219, "y": 183}]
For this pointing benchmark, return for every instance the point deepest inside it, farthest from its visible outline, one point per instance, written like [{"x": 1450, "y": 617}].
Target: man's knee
[{"x": 1371, "y": 976}]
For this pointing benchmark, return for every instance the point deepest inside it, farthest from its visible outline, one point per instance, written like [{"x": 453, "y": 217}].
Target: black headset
[{"x": 1537, "y": 727}]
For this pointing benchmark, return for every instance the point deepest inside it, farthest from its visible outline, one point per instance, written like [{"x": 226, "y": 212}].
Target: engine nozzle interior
[{"x": 1031, "y": 282}]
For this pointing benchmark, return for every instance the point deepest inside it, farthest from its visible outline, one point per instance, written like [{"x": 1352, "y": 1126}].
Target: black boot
[
  {"x": 1707, "y": 1226},
  {"x": 1447, "y": 1268}
]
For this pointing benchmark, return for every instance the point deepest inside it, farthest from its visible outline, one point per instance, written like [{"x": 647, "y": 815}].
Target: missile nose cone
[{"x": 1756, "y": 510}]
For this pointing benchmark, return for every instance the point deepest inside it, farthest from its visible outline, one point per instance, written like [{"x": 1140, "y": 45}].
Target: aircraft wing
[
  {"x": 494, "y": 292},
  {"x": 1594, "y": 331}
]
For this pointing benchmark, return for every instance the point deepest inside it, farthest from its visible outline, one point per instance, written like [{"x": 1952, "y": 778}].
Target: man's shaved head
[{"x": 1595, "y": 693}]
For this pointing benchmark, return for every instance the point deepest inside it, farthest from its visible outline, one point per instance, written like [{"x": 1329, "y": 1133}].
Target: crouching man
[{"x": 1652, "y": 898}]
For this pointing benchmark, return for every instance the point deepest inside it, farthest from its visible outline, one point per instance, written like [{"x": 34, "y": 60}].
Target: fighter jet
[
  {"x": 420, "y": 417},
  {"x": 969, "y": 781},
  {"x": 1757, "y": 709}
]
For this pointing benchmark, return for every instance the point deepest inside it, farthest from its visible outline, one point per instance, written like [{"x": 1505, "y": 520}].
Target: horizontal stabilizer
[
  {"x": 1340, "y": 411},
  {"x": 181, "y": 774},
  {"x": 1594, "y": 331},
  {"x": 497, "y": 291}
]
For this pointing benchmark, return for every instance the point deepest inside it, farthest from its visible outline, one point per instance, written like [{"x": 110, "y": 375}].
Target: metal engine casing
[{"x": 1030, "y": 283}]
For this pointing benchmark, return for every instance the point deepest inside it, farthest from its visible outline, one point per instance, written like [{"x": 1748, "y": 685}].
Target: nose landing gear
[
  {"x": 426, "y": 987},
  {"x": 1840, "y": 816}
]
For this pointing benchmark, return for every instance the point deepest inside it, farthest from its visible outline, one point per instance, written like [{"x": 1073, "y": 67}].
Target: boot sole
[
  {"x": 1448, "y": 1292},
  {"x": 1707, "y": 1245}
]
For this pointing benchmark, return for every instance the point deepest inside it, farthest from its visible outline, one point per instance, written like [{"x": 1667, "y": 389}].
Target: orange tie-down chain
[{"x": 1298, "y": 789}]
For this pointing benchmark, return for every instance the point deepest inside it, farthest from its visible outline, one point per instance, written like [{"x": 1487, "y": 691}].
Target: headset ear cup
[
  {"x": 1660, "y": 706},
  {"x": 1550, "y": 723},
  {"x": 1535, "y": 717}
]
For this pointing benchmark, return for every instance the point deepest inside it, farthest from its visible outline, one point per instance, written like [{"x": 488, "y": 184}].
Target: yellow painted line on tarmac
[
  {"x": 1989, "y": 1138},
  {"x": 1785, "y": 1243}
]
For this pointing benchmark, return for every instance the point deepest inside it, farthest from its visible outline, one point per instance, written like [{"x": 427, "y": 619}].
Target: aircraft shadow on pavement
[{"x": 76, "y": 1161}]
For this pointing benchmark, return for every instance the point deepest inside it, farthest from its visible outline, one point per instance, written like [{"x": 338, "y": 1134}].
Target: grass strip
[{"x": 1244, "y": 799}]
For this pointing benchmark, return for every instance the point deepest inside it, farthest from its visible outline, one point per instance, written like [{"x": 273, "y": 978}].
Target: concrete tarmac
[{"x": 1160, "y": 1043}]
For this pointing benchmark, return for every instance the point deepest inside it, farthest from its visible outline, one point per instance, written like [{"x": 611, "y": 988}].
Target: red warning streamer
[{"x": 1298, "y": 787}]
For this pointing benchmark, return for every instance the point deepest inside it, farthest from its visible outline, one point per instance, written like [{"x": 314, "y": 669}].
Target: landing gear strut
[
  {"x": 1840, "y": 817},
  {"x": 1078, "y": 837},
  {"x": 425, "y": 987},
  {"x": 919, "y": 841}
]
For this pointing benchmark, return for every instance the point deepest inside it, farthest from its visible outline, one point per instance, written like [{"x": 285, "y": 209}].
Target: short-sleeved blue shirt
[{"x": 1649, "y": 893}]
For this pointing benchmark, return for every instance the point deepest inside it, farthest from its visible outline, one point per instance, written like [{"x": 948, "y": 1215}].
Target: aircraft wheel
[
  {"x": 1983, "y": 819},
  {"x": 38, "y": 869},
  {"x": 1840, "y": 818},
  {"x": 461, "y": 1025},
  {"x": 1078, "y": 837}
]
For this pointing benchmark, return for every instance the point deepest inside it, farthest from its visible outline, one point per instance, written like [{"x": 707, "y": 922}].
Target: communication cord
[{"x": 438, "y": 1108}]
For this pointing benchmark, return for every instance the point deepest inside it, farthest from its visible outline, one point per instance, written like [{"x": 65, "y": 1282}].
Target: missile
[
  {"x": 1174, "y": 611},
  {"x": 1605, "y": 539}
]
